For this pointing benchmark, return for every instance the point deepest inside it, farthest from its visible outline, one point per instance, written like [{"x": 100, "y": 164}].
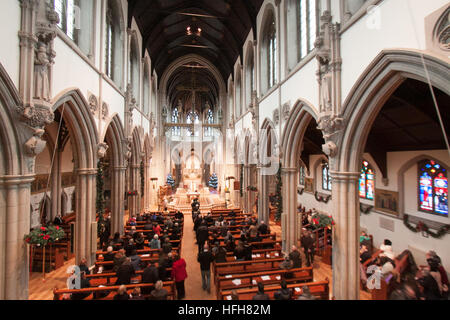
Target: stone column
[
  {"x": 263, "y": 196},
  {"x": 56, "y": 187},
  {"x": 14, "y": 224},
  {"x": 346, "y": 235},
  {"x": 117, "y": 199},
  {"x": 147, "y": 185},
  {"x": 244, "y": 188},
  {"x": 290, "y": 230},
  {"x": 85, "y": 246}
]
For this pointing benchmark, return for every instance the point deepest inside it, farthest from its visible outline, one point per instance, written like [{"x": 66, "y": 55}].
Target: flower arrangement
[
  {"x": 320, "y": 220},
  {"x": 44, "y": 235}
]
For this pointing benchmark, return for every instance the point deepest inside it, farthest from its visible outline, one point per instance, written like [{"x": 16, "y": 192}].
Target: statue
[{"x": 41, "y": 80}]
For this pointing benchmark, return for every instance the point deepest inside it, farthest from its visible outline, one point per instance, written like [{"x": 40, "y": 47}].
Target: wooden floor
[{"x": 40, "y": 289}]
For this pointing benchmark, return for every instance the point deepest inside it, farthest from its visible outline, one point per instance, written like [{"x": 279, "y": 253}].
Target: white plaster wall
[
  {"x": 67, "y": 158},
  {"x": 401, "y": 27},
  {"x": 71, "y": 71},
  {"x": 114, "y": 99},
  {"x": 10, "y": 16},
  {"x": 42, "y": 162}
]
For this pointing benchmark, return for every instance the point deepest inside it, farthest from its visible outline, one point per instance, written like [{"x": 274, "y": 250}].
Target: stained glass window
[
  {"x": 192, "y": 117},
  {"x": 367, "y": 181},
  {"x": 433, "y": 188},
  {"x": 302, "y": 175},
  {"x": 175, "y": 116},
  {"x": 209, "y": 120},
  {"x": 326, "y": 178}
]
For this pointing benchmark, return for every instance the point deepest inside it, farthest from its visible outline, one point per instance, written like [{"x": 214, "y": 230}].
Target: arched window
[
  {"x": 302, "y": 19},
  {"x": 367, "y": 182},
  {"x": 302, "y": 175},
  {"x": 146, "y": 93},
  {"x": 209, "y": 120},
  {"x": 113, "y": 43},
  {"x": 326, "y": 178},
  {"x": 433, "y": 188},
  {"x": 269, "y": 49},
  {"x": 249, "y": 77},
  {"x": 238, "y": 95},
  {"x": 176, "y": 131},
  {"x": 134, "y": 68},
  {"x": 192, "y": 118},
  {"x": 272, "y": 61},
  {"x": 75, "y": 20}
]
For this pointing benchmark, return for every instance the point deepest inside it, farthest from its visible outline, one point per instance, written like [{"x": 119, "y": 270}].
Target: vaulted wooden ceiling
[{"x": 224, "y": 25}]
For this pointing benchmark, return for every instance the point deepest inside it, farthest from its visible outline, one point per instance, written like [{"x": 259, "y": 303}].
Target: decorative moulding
[{"x": 322, "y": 197}]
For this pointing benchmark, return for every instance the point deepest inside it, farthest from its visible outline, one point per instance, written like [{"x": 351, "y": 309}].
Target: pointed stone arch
[
  {"x": 16, "y": 175},
  {"x": 75, "y": 111},
  {"x": 114, "y": 136},
  {"x": 365, "y": 100},
  {"x": 291, "y": 147}
]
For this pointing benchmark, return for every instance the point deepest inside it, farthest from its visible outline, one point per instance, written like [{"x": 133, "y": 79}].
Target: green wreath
[{"x": 423, "y": 227}]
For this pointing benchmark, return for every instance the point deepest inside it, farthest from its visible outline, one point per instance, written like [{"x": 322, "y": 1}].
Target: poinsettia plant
[
  {"x": 44, "y": 235},
  {"x": 320, "y": 220}
]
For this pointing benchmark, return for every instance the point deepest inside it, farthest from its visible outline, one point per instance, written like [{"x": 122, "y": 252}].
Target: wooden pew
[
  {"x": 385, "y": 288},
  {"x": 140, "y": 252},
  {"x": 110, "y": 278},
  {"x": 239, "y": 267},
  {"x": 319, "y": 289},
  {"x": 249, "y": 280},
  {"x": 112, "y": 290}
]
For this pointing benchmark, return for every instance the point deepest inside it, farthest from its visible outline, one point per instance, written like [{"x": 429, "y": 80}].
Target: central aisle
[{"x": 189, "y": 251}]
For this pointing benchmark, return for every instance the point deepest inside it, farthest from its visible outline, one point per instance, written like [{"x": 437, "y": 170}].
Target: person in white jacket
[{"x": 386, "y": 247}]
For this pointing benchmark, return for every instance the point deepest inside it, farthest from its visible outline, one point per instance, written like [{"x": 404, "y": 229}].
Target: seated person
[
  {"x": 84, "y": 283},
  {"x": 136, "y": 294},
  {"x": 125, "y": 272},
  {"x": 83, "y": 266},
  {"x": 109, "y": 255},
  {"x": 386, "y": 247},
  {"x": 287, "y": 264},
  {"x": 135, "y": 260},
  {"x": 155, "y": 243},
  {"x": 284, "y": 293},
  {"x": 122, "y": 293},
  {"x": 239, "y": 252},
  {"x": 159, "y": 293},
  {"x": 364, "y": 254},
  {"x": 260, "y": 295}
]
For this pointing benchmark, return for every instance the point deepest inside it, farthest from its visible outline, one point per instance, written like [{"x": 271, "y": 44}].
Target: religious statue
[{"x": 41, "y": 79}]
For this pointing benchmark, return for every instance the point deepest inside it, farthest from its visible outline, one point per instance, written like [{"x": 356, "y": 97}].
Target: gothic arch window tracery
[
  {"x": 113, "y": 43},
  {"x": 432, "y": 188},
  {"x": 367, "y": 181},
  {"x": 75, "y": 20},
  {"x": 326, "y": 178}
]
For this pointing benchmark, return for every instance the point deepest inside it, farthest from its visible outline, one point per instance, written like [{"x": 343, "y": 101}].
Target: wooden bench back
[
  {"x": 319, "y": 289},
  {"x": 112, "y": 290}
]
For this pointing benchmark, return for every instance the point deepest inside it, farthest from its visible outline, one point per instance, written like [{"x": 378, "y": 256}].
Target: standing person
[
  {"x": 296, "y": 257},
  {"x": 202, "y": 236},
  {"x": 205, "y": 258},
  {"x": 179, "y": 274},
  {"x": 308, "y": 247}
]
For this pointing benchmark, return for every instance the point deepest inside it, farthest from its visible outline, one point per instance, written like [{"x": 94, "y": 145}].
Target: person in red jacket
[
  {"x": 157, "y": 229},
  {"x": 179, "y": 274}
]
